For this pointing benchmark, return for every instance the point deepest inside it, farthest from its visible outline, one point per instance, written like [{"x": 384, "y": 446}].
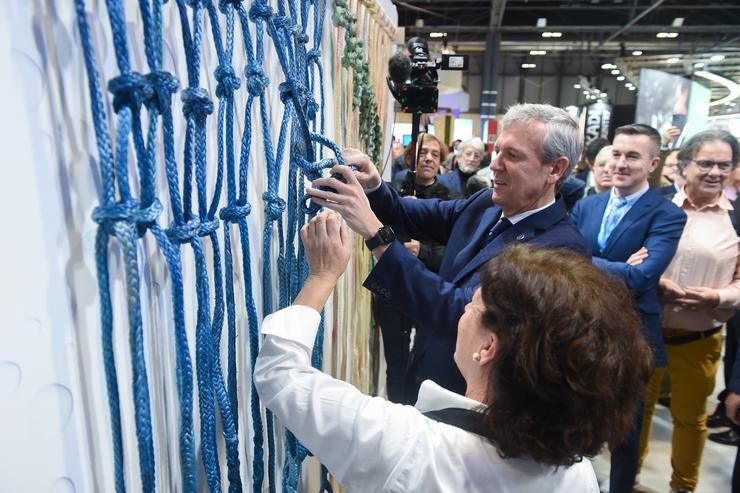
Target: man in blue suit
[
  {"x": 632, "y": 219},
  {"x": 534, "y": 152}
]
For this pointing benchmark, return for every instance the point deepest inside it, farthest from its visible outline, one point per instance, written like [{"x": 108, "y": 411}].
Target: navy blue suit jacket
[
  {"x": 436, "y": 301},
  {"x": 653, "y": 222}
]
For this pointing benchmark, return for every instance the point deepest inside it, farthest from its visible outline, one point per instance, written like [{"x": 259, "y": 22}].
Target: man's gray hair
[
  {"x": 562, "y": 135},
  {"x": 691, "y": 147}
]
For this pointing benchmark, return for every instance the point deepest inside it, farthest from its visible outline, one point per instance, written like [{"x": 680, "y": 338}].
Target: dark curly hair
[{"x": 571, "y": 361}]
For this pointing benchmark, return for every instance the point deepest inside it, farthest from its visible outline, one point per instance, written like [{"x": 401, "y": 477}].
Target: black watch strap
[{"x": 384, "y": 236}]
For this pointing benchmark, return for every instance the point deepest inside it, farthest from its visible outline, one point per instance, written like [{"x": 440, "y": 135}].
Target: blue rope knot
[
  {"x": 260, "y": 9},
  {"x": 313, "y": 55},
  {"x": 256, "y": 79},
  {"x": 274, "y": 206},
  {"x": 197, "y": 3},
  {"x": 224, "y": 4},
  {"x": 130, "y": 211},
  {"x": 196, "y": 103},
  {"x": 227, "y": 80},
  {"x": 163, "y": 85},
  {"x": 302, "y": 38},
  {"x": 130, "y": 90},
  {"x": 282, "y": 21},
  {"x": 235, "y": 213},
  {"x": 291, "y": 88},
  {"x": 313, "y": 108},
  {"x": 183, "y": 233}
]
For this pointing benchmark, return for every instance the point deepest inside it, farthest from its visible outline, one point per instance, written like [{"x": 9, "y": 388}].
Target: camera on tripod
[{"x": 413, "y": 78}]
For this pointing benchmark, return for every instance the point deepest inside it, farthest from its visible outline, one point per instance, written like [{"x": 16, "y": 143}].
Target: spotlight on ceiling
[
  {"x": 576, "y": 86},
  {"x": 621, "y": 77},
  {"x": 528, "y": 65},
  {"x": 699, "y": 65},
  {"x": 631, "y": 88},
  {"x": 615, "y": 72},
  {"x": 608, "y": 66},
  {"x": 717, "y": 58},
  {"x": 673, "y": 59},
  {"x": 637, "y": 53}
]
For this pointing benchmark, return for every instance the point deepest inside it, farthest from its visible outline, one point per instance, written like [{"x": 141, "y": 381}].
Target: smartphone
[{"x": 678, "y": 121}]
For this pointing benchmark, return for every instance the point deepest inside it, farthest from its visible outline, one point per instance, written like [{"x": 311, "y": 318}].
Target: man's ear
[
  {"x": 654, "y": 164},
  {"x": 488, "y": 349},
  {"x": 559, "y": 166}
]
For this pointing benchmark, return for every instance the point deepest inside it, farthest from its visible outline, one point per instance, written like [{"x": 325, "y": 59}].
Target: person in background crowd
[
  {"x": 394, "y": 325},
  {"x": 733, "y": 185},
  {"x": 600, "y": 171},
  {"x": 670, "y": 174},
  {"x": 409, "y": 158},
  {"x": 617, "y": 224},
  {"x": 450, "y": 163},
  {"x": 468, "y": 163},
  {"x": 536, "y": 145},
  {"x": 477, "y": 183},
  {"x": 701, "y": 290},
  {"x": 585, "y": 172},
  {"x": 540, "y": 395}
]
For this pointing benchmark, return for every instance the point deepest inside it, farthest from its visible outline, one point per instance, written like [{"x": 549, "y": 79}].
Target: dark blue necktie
[{"x": 498, "y": 228}]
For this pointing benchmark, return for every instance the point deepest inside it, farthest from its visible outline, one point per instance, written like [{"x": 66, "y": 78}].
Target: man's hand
[
  {"x": 670, "y": 134},
  {"x": 327, "y": 250},
  {"x": 413, "y": 247},
  {"x": 698, "y": 298},
  {"x": 671, "y": 290},
  {"x": 349, "y": 200},
  {"x": 638, "y": 257},
  {"x": 367, "y": 174},
  {"x": 732, "y": 407}
]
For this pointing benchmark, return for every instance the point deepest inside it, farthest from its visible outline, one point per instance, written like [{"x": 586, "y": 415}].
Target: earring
[{"x": 476, "y": 356}]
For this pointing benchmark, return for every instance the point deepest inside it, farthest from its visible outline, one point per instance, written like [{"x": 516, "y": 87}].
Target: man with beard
[{"x": 470, "y": 155}]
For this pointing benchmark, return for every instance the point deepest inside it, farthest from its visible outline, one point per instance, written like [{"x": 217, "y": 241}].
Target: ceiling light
[
  {"x": 699, "y": 64},
  {"x": 437, "y": 35},
  {"x": 528, "y": 65},
  {"x": 628, "y": 85},
  {"x": 603, "y": 95},
  {"x": 576, "y": 86},
  {"x": 541, "y": 21},
  {"x": 672, "y": 35},
  {"x": 537, "y": 52},
  {"x": 608, "y": 66},
  {"x": 615, "y": 72},
  {"x": 548, "y": 34},
  {"x": 677, "y": 22},
  {"x": 631, "y": 88},
  {"x": 717, "y": 58},
  {"x": 621, "y": 77},
  {"x": 731, "y": 86},
  {"x": 661, "y": 35},
  {"x": 637, "y": 52},
  {"x": 585, "y": 92},
  {"x": 673, "y": 59}
]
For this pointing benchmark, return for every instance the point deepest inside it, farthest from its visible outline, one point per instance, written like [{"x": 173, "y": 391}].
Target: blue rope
[{"x": 126, "y": 218}]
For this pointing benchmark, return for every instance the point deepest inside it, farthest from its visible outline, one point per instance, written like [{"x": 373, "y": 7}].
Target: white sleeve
[{"x": 359, "y": 438}]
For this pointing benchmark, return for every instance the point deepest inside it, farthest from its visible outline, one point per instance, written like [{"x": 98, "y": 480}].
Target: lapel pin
[{"x": 520, "y": 236}]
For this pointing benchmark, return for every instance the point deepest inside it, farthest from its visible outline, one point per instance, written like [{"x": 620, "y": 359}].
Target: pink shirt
[{"x": 707, "y": 256}]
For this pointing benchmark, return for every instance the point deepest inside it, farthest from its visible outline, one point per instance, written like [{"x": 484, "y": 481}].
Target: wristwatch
[{"x": 384, "y": 236}]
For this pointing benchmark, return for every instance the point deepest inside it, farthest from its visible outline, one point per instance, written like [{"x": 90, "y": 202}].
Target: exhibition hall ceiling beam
[
  {"x": 634, "y": 21},
  {"x": 708, "y": 29}
]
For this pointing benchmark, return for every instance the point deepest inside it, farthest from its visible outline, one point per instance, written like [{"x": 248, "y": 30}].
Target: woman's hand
[
  {"x": 327, "y": 246},
  {"x": 671, "y": 290},
  {"x": 327, "y": 250},
  {"x": 698, "y": 298},
  {"x": 638, "y": 257}
]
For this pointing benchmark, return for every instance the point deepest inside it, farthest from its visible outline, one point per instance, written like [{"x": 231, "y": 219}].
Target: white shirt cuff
[
  {"x": 373, "y": 189},
  {"x": 298, "y": 323}
]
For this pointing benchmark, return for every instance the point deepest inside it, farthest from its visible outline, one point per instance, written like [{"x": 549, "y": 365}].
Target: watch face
[{"x": 386, "y": 234}]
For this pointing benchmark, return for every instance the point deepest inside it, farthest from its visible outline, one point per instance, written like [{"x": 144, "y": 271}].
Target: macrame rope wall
[{"x": 205, "y": 195}]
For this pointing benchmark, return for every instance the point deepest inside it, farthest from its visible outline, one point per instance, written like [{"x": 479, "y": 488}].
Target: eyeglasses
[{"x": 723, "y": 166}]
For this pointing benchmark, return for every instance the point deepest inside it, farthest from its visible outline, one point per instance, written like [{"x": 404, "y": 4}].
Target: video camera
[{"x": 413, "y": 78}]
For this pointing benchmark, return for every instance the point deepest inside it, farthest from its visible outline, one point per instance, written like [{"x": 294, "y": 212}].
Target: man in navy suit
[
  {"x": 632, "y": 219},
  {"x": 536, "y": 147}
]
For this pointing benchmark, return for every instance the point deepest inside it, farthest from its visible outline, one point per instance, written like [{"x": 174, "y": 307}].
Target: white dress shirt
[{"x": 372, "y": 445}]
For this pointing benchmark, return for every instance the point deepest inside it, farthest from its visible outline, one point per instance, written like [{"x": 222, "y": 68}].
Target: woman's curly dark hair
[{"x": 571, "y": 361}]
